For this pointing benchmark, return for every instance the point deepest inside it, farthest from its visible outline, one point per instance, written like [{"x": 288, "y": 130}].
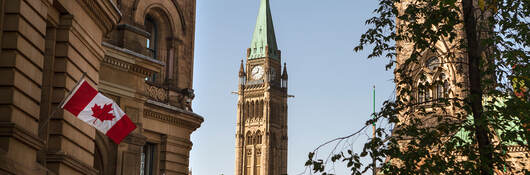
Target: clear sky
[{"x": 332, "y": 84}]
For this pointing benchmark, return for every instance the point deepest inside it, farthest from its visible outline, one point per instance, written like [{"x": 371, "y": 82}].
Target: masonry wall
[{"x": 47, "y": 46}]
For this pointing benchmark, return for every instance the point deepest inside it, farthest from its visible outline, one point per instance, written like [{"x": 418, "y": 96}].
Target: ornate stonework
[
  {"x": 261, "y": 132},
  {"x": 444, "y": 72}
]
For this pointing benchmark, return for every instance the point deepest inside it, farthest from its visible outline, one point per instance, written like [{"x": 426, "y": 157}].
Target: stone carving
[
  {"x": 156, "y": 93},
  {"x": 126, "y": 66},
  {"x": 187, "y": 95}
]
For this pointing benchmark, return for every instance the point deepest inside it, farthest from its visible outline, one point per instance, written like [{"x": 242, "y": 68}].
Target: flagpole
[
  {"x": 59, "y": 107},
  {"x": 374, "y": 160}
]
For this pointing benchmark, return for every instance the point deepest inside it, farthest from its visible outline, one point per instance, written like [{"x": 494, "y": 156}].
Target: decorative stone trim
[
  {"x": 173, "y": 108},
  {"x": 156, "y": 93},
  {"x": 138, "y": 55},
  {"x": 517, "y": 149},
  {"x": 254, "y": 95},
  {"x": 125, "y": 66},
  {"x": 12, "y": 130},
  {"x": 63, "y": 158},
  {"x": 170, "y": 119}
]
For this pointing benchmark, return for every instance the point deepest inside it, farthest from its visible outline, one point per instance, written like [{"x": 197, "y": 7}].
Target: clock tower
[{"x": 261, "y": 133}]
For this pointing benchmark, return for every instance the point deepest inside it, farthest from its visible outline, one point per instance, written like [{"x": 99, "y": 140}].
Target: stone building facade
[
  {"x": 261, "y": 132},
  {"x": 441, "y": 73},
  {"x": 137, "y": 52}
]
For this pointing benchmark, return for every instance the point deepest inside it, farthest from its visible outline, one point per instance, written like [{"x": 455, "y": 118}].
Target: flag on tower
[{"x": 92, "y": 107}]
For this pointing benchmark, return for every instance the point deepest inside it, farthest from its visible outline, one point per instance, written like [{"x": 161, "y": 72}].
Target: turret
[{"x": 242, "y": 75}]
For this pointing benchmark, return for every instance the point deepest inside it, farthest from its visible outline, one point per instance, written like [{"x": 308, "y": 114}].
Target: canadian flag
[{"x": 105, "y": 115}]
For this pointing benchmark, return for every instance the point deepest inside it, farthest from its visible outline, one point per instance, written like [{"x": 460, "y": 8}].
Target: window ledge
[{"x": 136, "y": 54}]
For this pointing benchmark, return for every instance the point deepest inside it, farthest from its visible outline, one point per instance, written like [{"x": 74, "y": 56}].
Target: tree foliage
[{"x": 483, "y": 47}]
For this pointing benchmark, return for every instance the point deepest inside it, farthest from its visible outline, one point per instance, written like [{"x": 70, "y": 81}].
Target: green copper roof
[
  {"x": 264, "y": 34},
  {"x": 510, "y": 125}
]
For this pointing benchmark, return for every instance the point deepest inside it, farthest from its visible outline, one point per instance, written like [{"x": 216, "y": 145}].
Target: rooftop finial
[{"x": 241, "y": 70}]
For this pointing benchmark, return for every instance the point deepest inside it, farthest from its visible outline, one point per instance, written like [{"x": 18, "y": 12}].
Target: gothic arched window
[
  {"x": 428, "y": 94},
  {"x": 440, "y": 86},
  {"x": 258, "y": 138},
  {"x": 446, "y": 89},
  {"x": 421, "y": 92},
  {"x": 249, "y": 138},
  {"x": 252, "y": 110},
  {"x": 432, "y": 63}
]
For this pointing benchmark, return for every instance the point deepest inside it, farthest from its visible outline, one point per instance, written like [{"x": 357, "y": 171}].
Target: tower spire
[
  {"x": 264, "y": 40},
  {"x": 241, "y": 70}
]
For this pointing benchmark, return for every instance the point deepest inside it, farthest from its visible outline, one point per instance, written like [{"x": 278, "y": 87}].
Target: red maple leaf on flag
[{"x": 102, "y": 113}]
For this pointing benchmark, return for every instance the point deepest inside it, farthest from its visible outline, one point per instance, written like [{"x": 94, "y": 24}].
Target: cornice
[
  {"x": 172, "y": 119},
  {"x": 132, "y": 53},
  {"x": 103, "y": 12},
  {"x": 125, "y": 66}
]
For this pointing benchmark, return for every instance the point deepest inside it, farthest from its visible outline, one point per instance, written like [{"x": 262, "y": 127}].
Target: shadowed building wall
[{"x": 137, "y": 52}]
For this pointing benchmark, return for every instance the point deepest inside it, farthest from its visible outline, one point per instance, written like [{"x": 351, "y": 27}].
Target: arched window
[
  {"x": 247, "y": 111},
  {"x": 421, "y": 92},
  {"x": 440, "y": 90},
  {"x": 152, "y": 41},
  {"x": 249, "y": 138},
  {"x": 252, "y": 110},
  {"x": 428, "y": 95},
  {"x": 432, "y": 63},
  {"x": 446, "y": 89},
  {"x": 260, "y": 109},
  {"x": 441, "y": 86},
  {"x": 258, "y": 138},
  {"x": 256, "y": 109}
]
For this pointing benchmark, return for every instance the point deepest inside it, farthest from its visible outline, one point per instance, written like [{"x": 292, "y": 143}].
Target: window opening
[
  {"x": 147, "y": 159},
  {"x": 432, "y": 63},
  {"x": 152, "y": 41}
]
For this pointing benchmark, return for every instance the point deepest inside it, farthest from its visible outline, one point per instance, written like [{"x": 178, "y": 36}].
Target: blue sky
[{"x": 332, "y": 84}]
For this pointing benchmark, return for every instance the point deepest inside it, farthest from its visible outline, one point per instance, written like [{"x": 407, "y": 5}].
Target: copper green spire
[{"x": 264, "y": 41}]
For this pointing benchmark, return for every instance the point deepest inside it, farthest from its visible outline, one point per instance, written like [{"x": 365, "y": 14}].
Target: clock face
[{"x": 257, "y": 72}]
